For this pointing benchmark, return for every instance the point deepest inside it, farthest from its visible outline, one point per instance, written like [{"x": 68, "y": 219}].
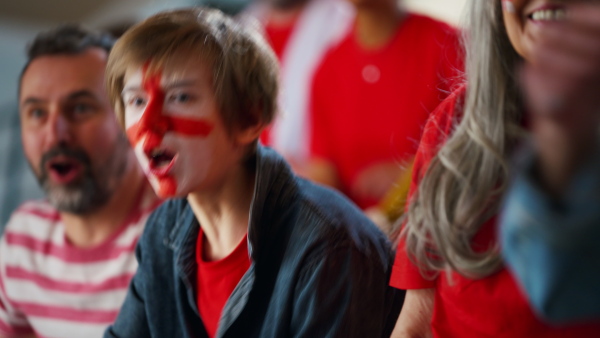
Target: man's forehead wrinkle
[
  {"x": 82, "y": 93},
  {"x": 32, "y": 100}
]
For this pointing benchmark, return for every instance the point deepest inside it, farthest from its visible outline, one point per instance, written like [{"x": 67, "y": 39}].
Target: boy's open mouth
[{"x": 160, "y": 161}]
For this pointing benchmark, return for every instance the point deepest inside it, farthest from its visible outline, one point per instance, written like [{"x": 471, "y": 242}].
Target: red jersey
[
  {"x": 370, "y": 106},
  {"x": 492, "y": 306},
  {"x": 216, "y": 281}
]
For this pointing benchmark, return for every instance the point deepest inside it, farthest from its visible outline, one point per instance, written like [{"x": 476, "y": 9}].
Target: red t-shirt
[
  {"x": 370, "y": 106},
  {"x": 490, "y": 307},
  {"x": 216, "y": 281}
]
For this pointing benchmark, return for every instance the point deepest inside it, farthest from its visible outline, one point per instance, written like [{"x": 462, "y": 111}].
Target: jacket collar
[{"x": 274, "y": 189}]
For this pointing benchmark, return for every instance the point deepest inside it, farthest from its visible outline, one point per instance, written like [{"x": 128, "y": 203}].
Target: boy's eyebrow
[
  {"x": 180, "y": 83},
  {"x": 176, "y": 84},
  {"x": 130, "y": 89}
]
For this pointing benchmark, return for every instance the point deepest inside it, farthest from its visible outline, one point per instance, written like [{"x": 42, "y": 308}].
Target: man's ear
[{"x": 249, "y": 134}]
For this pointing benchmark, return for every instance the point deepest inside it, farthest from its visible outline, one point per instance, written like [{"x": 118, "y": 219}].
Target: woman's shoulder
[{"x": 443, "y": 120}]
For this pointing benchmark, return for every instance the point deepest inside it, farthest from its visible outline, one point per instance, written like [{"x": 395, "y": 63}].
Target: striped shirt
[{"x": 53, "y": 289}]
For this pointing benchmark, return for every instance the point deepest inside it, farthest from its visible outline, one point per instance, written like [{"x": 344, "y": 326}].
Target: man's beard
[{"x": 93, "y": 189}]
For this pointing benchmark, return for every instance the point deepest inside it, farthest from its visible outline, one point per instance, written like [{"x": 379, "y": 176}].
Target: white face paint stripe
[{"x": 135, "y": 81}]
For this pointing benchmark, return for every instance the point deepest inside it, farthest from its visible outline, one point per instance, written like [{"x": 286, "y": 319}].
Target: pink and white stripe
[{"x": 53, "y": 289}]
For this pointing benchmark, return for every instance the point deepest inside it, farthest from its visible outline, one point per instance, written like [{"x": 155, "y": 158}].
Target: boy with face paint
[
  {"x": 243, "y": 247},
  {"x": 66, "y": 262}
]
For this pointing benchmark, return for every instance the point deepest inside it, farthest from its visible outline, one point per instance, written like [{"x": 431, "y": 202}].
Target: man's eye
[
  {"x": 36, "y": 113},
  {"x": 81, "y": 108}
]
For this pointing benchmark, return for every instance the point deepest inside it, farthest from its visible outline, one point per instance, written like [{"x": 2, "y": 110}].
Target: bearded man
[{"x": 66, "y": 262}]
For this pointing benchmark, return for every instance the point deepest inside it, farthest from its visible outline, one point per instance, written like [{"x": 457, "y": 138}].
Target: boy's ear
[{"x": 249, "y": 134}]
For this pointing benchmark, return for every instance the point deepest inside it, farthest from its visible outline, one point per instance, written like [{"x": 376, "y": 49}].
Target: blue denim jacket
[
  {"x": 551, "y": 245},
  {"x": 319, "y": 268}
]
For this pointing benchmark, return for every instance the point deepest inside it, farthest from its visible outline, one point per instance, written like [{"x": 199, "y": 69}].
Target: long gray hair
[{"x": 465, "y": 182}]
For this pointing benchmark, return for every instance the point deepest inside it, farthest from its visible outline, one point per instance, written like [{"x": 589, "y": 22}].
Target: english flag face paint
[{"x": 173, "y": 123}]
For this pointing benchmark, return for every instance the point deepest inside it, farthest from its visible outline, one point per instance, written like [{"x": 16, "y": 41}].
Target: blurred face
[
  {"x": 373, "y": 3},
  {"x": 525, "y": 19},
  {"x": 174, "y": 124},
  {"x": 286, "y": 4},
  {"x": 70, "y": 134}
]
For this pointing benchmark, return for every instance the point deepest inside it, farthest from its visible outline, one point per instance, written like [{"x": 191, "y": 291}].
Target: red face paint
[{"x": 153, "y": 125}]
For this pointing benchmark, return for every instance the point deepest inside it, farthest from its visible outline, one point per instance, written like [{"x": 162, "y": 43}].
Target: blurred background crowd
[{"x": 20, "y": 21}]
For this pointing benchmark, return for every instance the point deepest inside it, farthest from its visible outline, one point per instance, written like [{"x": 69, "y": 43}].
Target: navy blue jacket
[{"x": 319, "y": 268}]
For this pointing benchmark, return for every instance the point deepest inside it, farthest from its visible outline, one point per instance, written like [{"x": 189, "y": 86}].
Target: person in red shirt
[
  {"x": 448, "y": 258},
  {"x": 371, "y": 97},
  {"x": 300, "y": 32}
]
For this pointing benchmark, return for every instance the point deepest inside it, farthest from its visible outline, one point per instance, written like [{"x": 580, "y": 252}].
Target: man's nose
[{"x": 58, "y": 130}]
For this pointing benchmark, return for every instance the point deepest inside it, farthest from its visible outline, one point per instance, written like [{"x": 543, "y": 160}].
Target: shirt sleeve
[
  {"x": 451, "y": 67},
  {"x": 13, "y": 323},
  {"x": 551, "y": 246},
  {"x": 405, "y": 274}
]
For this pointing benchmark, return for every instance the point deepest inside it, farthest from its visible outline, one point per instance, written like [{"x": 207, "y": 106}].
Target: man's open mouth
[{"x": 62, "y": 169}]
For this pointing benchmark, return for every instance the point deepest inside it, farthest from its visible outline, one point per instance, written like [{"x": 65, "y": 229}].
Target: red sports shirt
[
  {"x": 216, "y": 281},
  {"x": 489, "y": 307},
  {"x": 370, "y": 106}
]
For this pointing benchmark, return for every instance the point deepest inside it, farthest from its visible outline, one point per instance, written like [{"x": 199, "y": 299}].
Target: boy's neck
[{"x": 223, "y": 212}]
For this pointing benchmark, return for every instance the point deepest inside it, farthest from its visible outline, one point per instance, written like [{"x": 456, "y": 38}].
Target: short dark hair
[{"x": 69, "y": 39}]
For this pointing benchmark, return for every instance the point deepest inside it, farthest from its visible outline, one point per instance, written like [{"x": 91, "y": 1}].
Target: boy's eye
[
  {"x": 136, "y": 101},
  {"x": 181, "y": 98}
]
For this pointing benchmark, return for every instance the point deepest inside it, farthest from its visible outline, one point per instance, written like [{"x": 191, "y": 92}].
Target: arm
[
  {"x": 374, "y": 181},
  {"x": 319, "y": 167},
  {"x": 551, "y": 246},
  {"x": 415, "y": 319},
  {"x": 342, "y": 293},
  {"x": 551, "y": 221},
  {"x": 13, "y": 323}
]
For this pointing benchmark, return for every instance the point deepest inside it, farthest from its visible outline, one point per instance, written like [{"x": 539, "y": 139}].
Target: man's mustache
[{"x": 76, "y": 154}]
